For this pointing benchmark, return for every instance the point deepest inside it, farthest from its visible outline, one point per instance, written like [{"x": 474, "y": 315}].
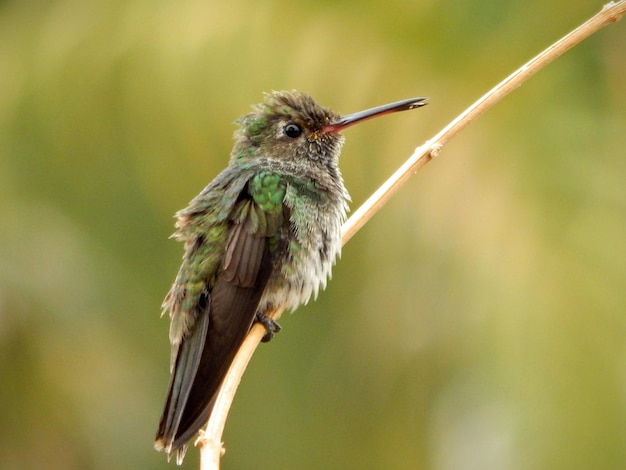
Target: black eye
[{"x": 293, "y": 130}]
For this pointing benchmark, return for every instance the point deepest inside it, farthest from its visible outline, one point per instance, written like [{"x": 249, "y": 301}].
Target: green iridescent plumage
[{"x": 265, "y": 233}]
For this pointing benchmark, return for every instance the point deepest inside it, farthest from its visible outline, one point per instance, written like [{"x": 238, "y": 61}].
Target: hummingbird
[{"x": 263, "y": 234}]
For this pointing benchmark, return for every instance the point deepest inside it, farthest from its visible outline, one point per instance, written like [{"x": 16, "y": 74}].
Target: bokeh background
[{"x": 477, "y": 322}]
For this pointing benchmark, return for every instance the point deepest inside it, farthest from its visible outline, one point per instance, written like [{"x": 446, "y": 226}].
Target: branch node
[
  {"x": 210, "y": 447},
  {"x": 617, "y": 15},
  {"x": 435, "y": 149}
]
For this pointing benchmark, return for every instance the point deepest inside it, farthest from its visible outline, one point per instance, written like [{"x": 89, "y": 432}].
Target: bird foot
[{"x": 271, "y": 326}]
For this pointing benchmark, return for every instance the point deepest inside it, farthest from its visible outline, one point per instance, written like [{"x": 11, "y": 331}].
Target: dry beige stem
[{"x": 210, "y": 440}]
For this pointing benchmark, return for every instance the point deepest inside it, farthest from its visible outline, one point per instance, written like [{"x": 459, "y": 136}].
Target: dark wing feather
[{"x": 204, "y": 357}]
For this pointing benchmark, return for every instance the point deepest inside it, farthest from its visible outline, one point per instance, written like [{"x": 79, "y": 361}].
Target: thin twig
[{"x": 210, "y": 440}]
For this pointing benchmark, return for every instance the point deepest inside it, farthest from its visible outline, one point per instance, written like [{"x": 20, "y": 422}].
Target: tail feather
[{"x": 188, "y": 358}]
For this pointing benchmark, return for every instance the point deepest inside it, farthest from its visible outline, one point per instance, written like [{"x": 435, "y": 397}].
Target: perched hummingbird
[{"x": 263, "y": 234}]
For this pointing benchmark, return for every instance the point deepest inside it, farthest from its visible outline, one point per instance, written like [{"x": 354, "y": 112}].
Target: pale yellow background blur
[{"x": 478, "y": 322}]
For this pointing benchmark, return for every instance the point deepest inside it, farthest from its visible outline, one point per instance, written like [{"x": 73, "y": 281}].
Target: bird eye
[{"x": 293, "y": 130}]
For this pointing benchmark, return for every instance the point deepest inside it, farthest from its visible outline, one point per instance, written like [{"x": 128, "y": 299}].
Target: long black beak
[{"x": 346, "y": 121}]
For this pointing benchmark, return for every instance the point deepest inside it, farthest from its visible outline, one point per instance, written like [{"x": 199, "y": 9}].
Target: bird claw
[{"x": 271, "y": 326}]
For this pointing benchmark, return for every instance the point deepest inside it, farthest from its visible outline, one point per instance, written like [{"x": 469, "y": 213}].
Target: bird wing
[{"x": 225, "y": 310}]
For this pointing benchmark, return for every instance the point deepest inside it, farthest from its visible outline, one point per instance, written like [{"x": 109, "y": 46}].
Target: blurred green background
[{"x": 478, "y": 321}]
